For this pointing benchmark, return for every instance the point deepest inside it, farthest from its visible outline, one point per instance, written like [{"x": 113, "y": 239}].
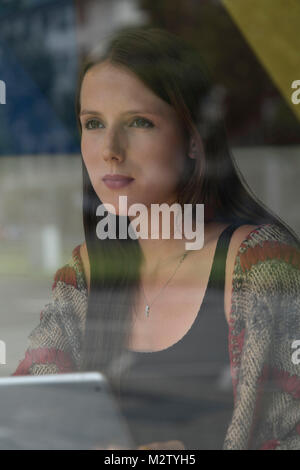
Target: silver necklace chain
[{"x": 148, "y": 305}]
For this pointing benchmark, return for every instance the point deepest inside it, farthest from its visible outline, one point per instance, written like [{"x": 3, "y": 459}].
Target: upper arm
[
  {"x": 54, "y": 344},
  {"x": 264, "y": 323},
  {"x": 238, "y": 236},
  {"x": 85, "y": 262}
]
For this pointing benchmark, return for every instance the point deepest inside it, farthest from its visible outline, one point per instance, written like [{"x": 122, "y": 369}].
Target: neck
[{"x": 159, "y": 256}]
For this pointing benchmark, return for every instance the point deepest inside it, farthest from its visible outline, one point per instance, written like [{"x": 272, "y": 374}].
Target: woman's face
[{"x": 128, "y": 130}]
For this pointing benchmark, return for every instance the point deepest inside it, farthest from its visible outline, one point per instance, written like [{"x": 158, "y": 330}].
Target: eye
[
  {"x": 92, "y": 124},
  {"x": 143, "y": 120}
]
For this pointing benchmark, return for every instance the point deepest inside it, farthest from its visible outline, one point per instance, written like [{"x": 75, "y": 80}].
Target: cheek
[
  {"x": 163, "y": 167},
  {"x": 90, "y": 157},
  {"x": 87, "y": 149}
]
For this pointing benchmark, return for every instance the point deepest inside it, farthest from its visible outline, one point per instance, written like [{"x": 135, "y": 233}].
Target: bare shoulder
[
  {"x": 85, "y": 262},
  {"x": 237, "y": 238}
]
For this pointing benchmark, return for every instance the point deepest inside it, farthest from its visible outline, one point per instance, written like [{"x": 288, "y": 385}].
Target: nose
[{"x": 113, "y": 148}]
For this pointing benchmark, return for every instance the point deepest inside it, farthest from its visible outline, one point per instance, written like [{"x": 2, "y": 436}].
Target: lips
[
  {"x": 117, "y": 181},
  {"x": 116, "y": 177}
]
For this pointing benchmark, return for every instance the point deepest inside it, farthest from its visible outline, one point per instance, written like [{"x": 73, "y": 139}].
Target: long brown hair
[{"x": 175, "y": 72}]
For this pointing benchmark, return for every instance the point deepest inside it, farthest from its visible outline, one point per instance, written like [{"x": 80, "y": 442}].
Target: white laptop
[{"x": 60, "y": 411}]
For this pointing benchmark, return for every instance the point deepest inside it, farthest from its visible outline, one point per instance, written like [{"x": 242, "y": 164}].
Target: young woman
[{"x": 161, "y": 321}]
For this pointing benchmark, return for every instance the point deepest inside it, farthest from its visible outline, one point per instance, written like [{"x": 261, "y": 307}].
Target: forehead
[{"x": 106, "y": 83}]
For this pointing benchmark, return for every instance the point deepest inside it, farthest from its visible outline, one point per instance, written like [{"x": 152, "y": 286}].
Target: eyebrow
[{"x": 133, "y": 111}]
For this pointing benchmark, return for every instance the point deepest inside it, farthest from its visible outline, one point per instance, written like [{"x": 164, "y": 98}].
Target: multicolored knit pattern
[{"x": 264, "y": 324}]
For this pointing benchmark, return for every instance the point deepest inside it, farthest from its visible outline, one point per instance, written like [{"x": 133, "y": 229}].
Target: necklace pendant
[{"x": 147, "y": 310}]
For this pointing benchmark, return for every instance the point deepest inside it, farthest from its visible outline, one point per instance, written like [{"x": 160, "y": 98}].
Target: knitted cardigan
[{"x": 264, "y": 323}]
